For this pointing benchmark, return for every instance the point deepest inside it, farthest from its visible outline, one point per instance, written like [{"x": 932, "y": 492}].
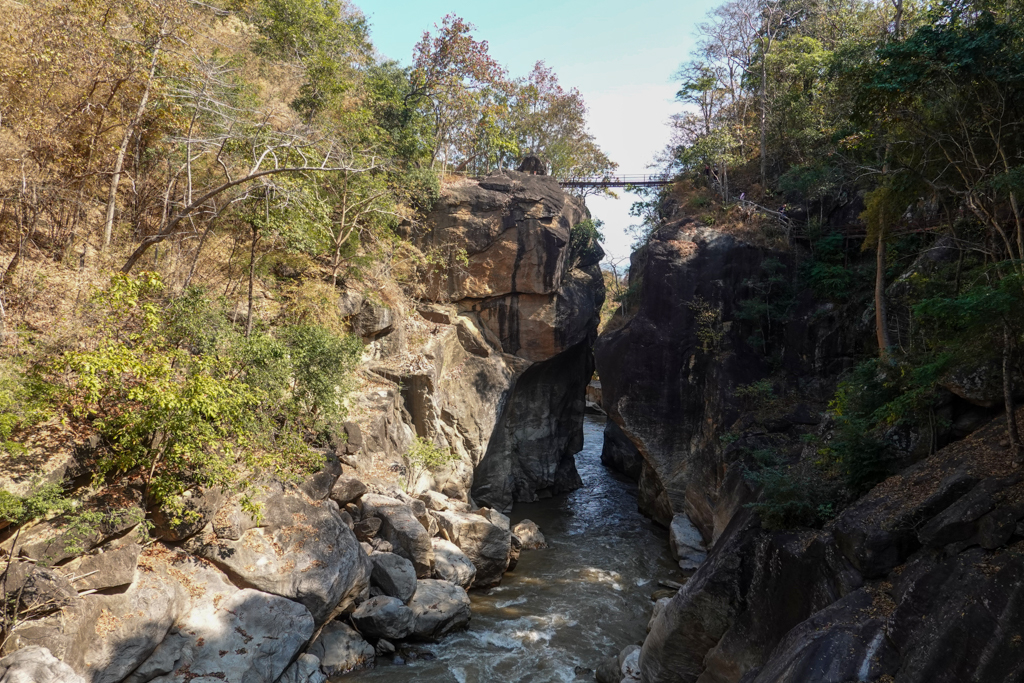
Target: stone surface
[
  {"x": 486, "y": 544},
  {"x": 110, "y": 569},
  {"x": 686, "y": 543},
  {"x": 305, "y": 669},
  {"x": 105, "y": 637},
  {"x": 451, "y": 564},
  {"x": 340, "y": 649},
  {"x": 394, "y": 575},
  {"x": 36, "y": 664},
  {"x": 619, "y": 453},
  {"x": 402, "y": 530},
  {"x": 347, "y": 489},
  {"x": 366, "y": 529},
  {"x": 438, "y": 607},
  {"x": 198, "y": 505},
  {"x": 384, "y": 617},
  {"x": 302, "y": 550}
]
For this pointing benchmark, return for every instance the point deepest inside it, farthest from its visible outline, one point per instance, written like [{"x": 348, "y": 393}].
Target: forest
[
  {"x": 232, "y": 164},
  {"x": 882, "y": 144},
  {"x": 185, "y": 186}
]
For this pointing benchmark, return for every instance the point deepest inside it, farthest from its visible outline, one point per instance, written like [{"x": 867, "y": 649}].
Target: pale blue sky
[{"x": 621, "y": 55}]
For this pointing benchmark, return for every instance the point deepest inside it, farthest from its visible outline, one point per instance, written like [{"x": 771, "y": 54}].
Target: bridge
[{"x": 646, "y": 180}]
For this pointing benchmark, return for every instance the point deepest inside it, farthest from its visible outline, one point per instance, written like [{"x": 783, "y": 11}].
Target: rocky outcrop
[
  {"x": 669, "y": 375},
  {"x": 302, "y": 549},
  {"x": 515, "y": 312}
]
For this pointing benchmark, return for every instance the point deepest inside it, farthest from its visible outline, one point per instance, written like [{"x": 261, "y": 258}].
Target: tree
[{"x": 453, "y": 73}]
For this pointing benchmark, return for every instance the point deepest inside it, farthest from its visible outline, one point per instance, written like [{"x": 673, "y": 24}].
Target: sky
[{"x": 621, "y": 56}]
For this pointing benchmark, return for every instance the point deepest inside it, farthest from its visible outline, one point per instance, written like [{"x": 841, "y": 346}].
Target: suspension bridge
[{"x": 635, "y": 180}]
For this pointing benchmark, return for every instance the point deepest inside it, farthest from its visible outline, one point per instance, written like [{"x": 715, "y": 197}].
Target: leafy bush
[
  {"x": 791, "y": 499},
  {"x": 182, "y": 398},
  {"x": 584, "y": 235},
  {"x": 758, "y": 395},
  {"x": 424, "y": 456}
]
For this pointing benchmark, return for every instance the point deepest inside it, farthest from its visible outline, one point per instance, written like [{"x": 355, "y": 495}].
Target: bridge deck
[{"x": 620, "y": 181}]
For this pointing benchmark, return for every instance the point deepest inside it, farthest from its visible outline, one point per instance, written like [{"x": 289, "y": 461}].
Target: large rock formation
[
  {"x": 669, "y": 375},
  {"x": 508, "y": 357},
  {"x": 919, "y": 580}
]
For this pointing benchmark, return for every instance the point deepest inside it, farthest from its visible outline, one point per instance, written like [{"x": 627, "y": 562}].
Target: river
[{"x": 571, "y": 605}]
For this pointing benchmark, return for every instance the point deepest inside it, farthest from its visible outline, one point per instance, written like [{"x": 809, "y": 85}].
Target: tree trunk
[
  {"x": 252, "y": 276},
  {"x": 1012, "y": 433},
  {"x": 764, "y": 122},
  {"x": 115, "y": 178},
  {"x": 881, "y": 312}
]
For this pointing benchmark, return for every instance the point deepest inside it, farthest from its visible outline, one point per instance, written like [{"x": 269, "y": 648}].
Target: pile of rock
[{"x": 334, "y": 574}]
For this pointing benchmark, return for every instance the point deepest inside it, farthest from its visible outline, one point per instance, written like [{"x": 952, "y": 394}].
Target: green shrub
[
  {"x": 424, "y": 456},
  {"x": 757, "y": 395}
]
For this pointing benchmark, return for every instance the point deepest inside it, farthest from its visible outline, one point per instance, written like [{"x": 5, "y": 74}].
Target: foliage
[
  {"x": 585, "y": 236},
  {"x": 759, "y": 395},
  {"x": 768, "y": 304},
  {"x": 708, "y": 319},
  {"x": 423, "y": 456},
  {"x": 43, "y": 500},
  {"x": 793, "y": 496}
]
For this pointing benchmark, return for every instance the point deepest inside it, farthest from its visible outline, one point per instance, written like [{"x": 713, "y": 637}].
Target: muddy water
[{"x": 569, "y": 606}]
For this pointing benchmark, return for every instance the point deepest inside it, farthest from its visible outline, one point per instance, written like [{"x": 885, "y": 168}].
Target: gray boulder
[
  {"x": 384, "y": 617},
  {"x": 340, "y": 649},
  {"x": 347, "y": 489},
  {"x": 366, "y": 528},
  {"x": 451, "y": 564},
  {"x": 487, "y": 545},
  {"x": 394, "y": 575},
  {"x": 110, "y": 569},
  {"x": 305, "y": 669},
  {"x": 529, "y": 534},
  {"x": 303, "y": 550},
  {"x": 36, "y": 665},
  {"x": 686, "y": 543},
  {"x": 105, "y": 637},
  {"x": 439, "y": 607},
  {"x": 400, "y": 527}
]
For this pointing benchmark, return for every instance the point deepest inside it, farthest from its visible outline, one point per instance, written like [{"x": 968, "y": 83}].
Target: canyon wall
[{"x": 918, "y": 580}]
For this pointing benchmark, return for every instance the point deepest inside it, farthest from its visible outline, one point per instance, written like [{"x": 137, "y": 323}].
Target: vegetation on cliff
[
  {"x": 881, "y": 144},
  {"x": 186, "y": 190}
]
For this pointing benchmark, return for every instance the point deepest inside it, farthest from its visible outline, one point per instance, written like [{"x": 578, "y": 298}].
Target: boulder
[
  {"x": 321, "y": 484},
  {"x": 529, "y": 535},
  {"x": 451, "y": 564},
  {"x": 105, "y": 637},
  {"x": 373, "y": 320},
  {"x": 347, "y": 489},
  {"x": 305, "y": 669},
  {"x": 249, "y": 634},
  {"x": 198, "y": 506},
  {"x": 514, "y": 551},
  {"x": 349, "y": 302},
  {"x": 686, "y": 543},
  {"x": 487, "y": 545},
  {"x": 36, "y": 664},
  {"x": 438, "y": 607},
  {"x": 384, "y": 617},
  {"x": 110, "y": 569},
  {"x": 400, "y": 527},
  {"x": 394, "y": 575},
  {"x": 234, "y": 635},
  {"x": 53, "y": 542},
  {"x": 303, "y": 550},
  {"x": 629, "y": 664},
  {"x": 340, "y": 649},
  {"x": 366, "y": 529}
]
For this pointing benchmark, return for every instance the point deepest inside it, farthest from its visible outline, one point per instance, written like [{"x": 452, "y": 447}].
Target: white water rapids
[{"x": 571, "y": 605}]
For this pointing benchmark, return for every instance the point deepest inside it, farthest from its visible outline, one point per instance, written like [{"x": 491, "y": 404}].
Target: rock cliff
[
  {"x": 513, "y": 311},
  {"x": 918, "y": 580}
]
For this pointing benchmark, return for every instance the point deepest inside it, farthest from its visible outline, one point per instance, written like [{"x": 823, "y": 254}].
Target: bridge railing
[{"x": 620, "y": 180}]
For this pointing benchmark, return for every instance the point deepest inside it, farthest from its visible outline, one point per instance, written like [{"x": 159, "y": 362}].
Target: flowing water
[{"x": 571, "y": 605}]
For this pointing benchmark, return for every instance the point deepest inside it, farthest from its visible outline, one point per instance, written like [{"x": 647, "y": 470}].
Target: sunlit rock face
[{"x": 524, "y": 307}]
